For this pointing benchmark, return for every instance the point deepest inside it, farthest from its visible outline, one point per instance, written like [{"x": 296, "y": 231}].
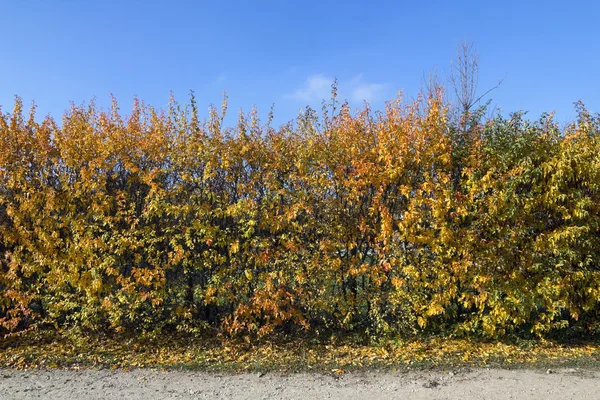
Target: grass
[{"x": 331, "y": 355}]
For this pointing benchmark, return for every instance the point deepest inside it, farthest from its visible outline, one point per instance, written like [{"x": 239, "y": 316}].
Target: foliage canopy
[{"x": 389, "y": 222}]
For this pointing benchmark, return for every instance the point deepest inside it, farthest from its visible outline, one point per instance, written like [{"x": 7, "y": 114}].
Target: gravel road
[{"x": 150, "y": 384}]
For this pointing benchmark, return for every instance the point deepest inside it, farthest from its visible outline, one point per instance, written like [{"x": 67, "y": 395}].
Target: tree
[{"x": 464, "y": 81}]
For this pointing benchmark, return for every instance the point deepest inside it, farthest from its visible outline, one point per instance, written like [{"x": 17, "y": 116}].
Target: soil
[{"x": 152, "y": 384}]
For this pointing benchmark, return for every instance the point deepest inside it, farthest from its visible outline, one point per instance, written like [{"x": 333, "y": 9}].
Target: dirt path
[{"x": 147, "y": 385}]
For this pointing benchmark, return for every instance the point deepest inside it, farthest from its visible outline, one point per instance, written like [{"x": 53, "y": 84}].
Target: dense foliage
[{"x": 392, "y": 222}]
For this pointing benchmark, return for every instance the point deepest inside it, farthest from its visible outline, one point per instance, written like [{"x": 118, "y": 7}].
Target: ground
[{"x": 148, "y": 384}]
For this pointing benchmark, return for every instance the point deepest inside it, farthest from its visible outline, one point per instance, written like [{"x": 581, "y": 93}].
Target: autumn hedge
[{"x": 392, "y": 222}]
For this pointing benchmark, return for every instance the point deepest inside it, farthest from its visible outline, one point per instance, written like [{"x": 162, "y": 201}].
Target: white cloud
[
  {"x": 316, "y": 88},
  {"x": 222, "y": 77},
  {"x": 366, "y": 91}
]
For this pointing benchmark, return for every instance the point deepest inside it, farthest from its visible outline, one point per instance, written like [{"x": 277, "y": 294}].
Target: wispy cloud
[
  {"x": 318, "y": 87},
  {"x": 366, "y": 91},
  {"x": 222, "y": 77}
]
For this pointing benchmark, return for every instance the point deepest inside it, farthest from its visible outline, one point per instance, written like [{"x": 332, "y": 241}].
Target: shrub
[{"x": 381, "y": 222}]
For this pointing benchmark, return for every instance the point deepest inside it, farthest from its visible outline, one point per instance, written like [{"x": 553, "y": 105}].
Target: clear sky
[{"x": 287, "y": 52}]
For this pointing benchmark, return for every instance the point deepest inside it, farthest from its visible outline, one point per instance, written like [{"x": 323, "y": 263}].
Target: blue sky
[{"x": 288, "y": 52}]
